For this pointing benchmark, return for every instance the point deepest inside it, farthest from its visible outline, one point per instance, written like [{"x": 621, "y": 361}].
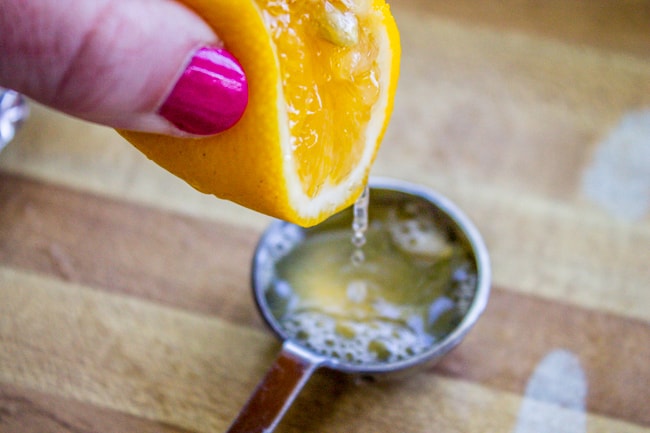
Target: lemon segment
[{"x": 322, "y": 76}]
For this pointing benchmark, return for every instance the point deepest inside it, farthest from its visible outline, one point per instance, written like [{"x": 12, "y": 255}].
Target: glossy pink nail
[{"x": 210, "y": 96}]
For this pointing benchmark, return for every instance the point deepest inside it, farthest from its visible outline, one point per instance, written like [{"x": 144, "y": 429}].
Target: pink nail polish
[{"x": 210, "y": 96}]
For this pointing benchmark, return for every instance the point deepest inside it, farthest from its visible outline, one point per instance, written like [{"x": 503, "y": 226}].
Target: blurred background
[{"x": 124, "y": 293}]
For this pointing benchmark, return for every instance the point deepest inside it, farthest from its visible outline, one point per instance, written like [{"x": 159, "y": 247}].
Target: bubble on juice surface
[
  {"x": 464, "y": 283},
  {"x": 414, "y": 231},
  {"x": 416, "y": 234},
  {"x": 366, "y": 342},
  {"x": 281, "y": 242}
]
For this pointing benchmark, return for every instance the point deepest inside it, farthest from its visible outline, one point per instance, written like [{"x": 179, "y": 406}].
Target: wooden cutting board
[{"x": 125, "y": 303}]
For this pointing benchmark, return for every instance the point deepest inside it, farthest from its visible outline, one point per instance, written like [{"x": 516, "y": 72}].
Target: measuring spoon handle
[{"x": 275, "y": 393}]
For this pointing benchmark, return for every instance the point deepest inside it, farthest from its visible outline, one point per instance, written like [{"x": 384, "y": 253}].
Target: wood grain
[
  {"x": 620, "y": 26},
  {"x": 164, "y": 364},
  {"x": 80, "y": 244},
  {"x": 124, "y": 293},
  {"x": 23, "y": 410},
  {"x": 100, "y": 242}
]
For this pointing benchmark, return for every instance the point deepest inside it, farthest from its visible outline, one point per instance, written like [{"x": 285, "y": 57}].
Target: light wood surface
[{"x": 124, "y": 294}]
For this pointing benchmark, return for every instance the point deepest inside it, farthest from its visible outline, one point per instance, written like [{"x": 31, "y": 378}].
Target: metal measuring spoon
[{"x": 297, "y": 360}]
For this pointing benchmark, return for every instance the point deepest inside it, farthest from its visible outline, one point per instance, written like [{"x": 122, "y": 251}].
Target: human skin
[{"x": 112, "y": 62}]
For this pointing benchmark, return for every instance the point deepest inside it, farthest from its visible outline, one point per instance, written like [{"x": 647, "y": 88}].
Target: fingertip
[{"x": 211, "y": 94}]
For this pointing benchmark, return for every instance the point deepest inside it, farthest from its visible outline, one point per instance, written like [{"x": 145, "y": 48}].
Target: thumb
[{"x": 146, "y": 65}]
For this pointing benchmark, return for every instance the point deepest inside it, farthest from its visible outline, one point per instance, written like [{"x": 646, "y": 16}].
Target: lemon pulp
[{"x": 330, "y": 76}]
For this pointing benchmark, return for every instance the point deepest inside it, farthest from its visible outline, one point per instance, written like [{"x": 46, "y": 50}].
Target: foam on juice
[{"x": 412, "y": 288}]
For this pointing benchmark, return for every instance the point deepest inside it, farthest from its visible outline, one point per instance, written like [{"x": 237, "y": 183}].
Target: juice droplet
[
  {"x": 358, "y": 257},
  {"x": 359, "y": 226}
]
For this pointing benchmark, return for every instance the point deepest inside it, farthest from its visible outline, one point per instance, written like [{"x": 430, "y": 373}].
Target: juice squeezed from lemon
[
  {"x": 383, "y": 299},
  {"x": 360, "y": 225}
]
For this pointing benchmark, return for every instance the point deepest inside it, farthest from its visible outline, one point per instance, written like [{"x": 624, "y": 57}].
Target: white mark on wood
[
  {"x": 555, "y": 396},
  {"x": 618, "y": 178}
]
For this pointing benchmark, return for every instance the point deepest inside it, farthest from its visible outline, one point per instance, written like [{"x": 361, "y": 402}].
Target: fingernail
[{"x": 210, "y": 96}]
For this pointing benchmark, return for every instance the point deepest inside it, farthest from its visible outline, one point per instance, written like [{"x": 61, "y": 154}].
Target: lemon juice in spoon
[{"x": 410, "y": 286}]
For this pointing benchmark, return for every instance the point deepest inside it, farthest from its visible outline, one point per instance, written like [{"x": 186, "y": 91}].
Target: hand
[{"x": 145, "y": 65}]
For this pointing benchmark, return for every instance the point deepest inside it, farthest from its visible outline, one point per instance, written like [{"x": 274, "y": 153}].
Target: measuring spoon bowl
[{"x": 299, "y": 357}]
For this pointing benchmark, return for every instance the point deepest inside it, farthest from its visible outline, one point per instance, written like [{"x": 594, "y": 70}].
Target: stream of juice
[
  {"x": 410, "y": 285},
  {"x": 360, "y": 225}
]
